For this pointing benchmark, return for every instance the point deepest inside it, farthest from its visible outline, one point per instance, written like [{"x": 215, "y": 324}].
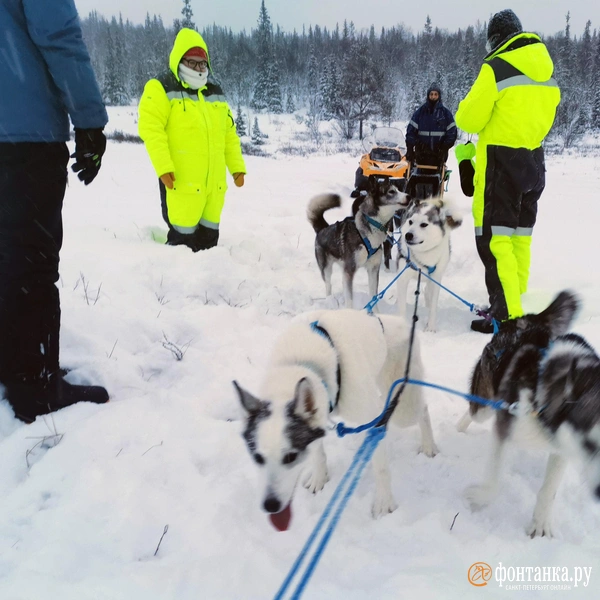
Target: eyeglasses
[{"x": 196, "y": 64}]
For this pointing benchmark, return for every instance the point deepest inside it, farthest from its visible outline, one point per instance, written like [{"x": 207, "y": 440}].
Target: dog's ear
[
  {"x": 305, "y": 404},
  {"x": 560, "y": 314},
  {"x": 451, "y": 215},
  {"x": 251, "y": 404}
]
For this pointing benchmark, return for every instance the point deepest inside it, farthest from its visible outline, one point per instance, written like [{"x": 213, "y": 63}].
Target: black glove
[
  {"x": 410, "y": 154},
  {"x": 90, "y": 145}
]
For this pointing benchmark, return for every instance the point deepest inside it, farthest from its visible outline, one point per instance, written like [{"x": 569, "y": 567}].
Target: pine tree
[
  {"x": 258, "y": 137},
  {"x": 188, "y": 15},
  {"x": 595, "y": 116},
  {"x": 114, "y": 89},
  {"x": 240, "y": 122},
  {"x": 264, "y": 56},
  {"x": 290, "y": 107}
]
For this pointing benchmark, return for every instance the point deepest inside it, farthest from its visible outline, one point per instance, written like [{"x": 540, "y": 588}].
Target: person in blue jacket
[
  {"x": 46, "y": 77},
  {"x": 431, "y": 132}
]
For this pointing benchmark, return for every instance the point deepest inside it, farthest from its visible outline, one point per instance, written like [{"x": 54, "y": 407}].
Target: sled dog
[
  {"x": 356, "y": 241},
  {"x": 342, "y": 361},
  {"x": 551, "y": 379},
  {"x": 425, "y": 245}
]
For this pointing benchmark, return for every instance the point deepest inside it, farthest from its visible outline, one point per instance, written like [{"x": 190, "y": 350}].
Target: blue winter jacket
[
  {"x": 45, "y": 73},
  {"x": 433, "y": 128}
]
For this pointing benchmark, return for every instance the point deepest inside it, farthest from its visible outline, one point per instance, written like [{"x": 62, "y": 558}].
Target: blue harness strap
[{"x": 412, "y": 265}]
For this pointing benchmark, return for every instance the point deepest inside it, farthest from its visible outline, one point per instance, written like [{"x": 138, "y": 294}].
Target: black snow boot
[
  {"x": 482, "y": 326},
  {"x": 30, "y": 400},
  {"x": 29, "y": 370}
]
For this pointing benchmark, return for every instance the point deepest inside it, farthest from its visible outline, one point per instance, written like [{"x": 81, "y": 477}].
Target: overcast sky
[{"x": 543, "y": 16}]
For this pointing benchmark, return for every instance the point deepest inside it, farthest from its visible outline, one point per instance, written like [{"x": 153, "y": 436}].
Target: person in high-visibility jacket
[
  {"x": 512, "y": 106},
  {"x": 191, "y": 138}
]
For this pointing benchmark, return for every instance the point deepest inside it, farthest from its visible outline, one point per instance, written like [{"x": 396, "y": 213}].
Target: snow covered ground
[{"x": 82, "y": 520}]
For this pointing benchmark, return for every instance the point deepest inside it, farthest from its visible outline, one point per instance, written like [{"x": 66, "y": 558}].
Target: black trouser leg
[{"x": 33, "y": 179}]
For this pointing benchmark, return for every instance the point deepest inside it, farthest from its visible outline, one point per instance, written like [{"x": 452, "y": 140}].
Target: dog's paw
[
  {"x": 429, "y": 450},
  {"x": 464, "y": 423},
  {"x": 383, "y": 504},
  {"x": 315, "y": 480},
  {"x": 479, "y": 496},
  {"x": 540, "y": 528}
]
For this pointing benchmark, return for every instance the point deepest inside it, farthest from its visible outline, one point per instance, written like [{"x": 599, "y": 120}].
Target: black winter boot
[
  {"x": 29, "y": 371},
  {"x": 30, "y": 400},
  {"x": 482, "y": 326}
]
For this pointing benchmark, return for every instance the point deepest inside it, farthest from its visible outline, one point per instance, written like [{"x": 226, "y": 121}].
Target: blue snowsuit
[{"x": 431, "y": 130}]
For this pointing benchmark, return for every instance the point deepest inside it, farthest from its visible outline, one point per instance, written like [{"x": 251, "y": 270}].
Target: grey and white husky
[
  {"x": 356, "y": 241},
  {"x": 425, "y": 242},
  {"x": 343, "y": 361},
  {"x": 551, "y": 379}
]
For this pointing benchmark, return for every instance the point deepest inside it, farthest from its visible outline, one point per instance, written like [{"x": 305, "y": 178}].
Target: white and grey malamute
[
  {"x": 425, "y": 242},
  {"x": 343, "y": 361},
  {"x": 551, "y": 378},
  {"x": 356, "y": 241}
]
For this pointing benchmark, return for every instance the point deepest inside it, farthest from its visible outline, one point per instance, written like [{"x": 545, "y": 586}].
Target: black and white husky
[
  {"x": 343, "y": 361},
  {"x": 551, "y": 380},
  {"x": 356, "y": 241},
  {"x": 425, "y": 244}
]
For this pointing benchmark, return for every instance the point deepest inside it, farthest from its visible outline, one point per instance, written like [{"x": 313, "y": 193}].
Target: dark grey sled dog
[
  {"x": 551, "y": 380},
  {"x": 356, "y": 241}
]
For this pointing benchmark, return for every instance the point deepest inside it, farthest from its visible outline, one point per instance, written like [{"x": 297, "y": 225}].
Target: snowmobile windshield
[
  {"x": 385, "y": 154},
  {"x": 382, "y": 138}
]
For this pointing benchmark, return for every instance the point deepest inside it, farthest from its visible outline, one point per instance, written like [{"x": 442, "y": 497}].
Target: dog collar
[
  {"x": 412, "y": 265},
  {"x": 376, "y": 224}
]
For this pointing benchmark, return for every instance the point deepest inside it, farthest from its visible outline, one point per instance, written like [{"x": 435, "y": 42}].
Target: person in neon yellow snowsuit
[
  {"x": 191, "y": 138},
  {"x": 512, "y": 106}
]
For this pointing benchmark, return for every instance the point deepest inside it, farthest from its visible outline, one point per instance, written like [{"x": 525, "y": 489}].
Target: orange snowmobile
[{"x": 385, "y": 157}]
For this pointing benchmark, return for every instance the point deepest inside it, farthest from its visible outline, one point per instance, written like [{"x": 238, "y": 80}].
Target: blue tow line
[{"x": 409, "y": 264}]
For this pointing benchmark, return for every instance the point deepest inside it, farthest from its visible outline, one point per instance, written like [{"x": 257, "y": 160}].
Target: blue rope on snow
[
  {"x": 342, "y": 430},
  {"x": 349, "y": 481},
  {"x": 472, "y": 307}
]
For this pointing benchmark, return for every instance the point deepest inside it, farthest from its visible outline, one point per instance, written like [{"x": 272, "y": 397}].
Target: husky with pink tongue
[{"x": 341, "y": 362}]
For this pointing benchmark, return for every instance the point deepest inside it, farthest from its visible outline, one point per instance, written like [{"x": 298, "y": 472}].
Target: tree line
[{"x": 340, "y": 74}]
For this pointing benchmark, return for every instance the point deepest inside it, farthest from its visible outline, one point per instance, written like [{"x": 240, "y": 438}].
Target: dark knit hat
[
  {"x": 196, "y": 53},
  {"x": 502, "y": 26}
]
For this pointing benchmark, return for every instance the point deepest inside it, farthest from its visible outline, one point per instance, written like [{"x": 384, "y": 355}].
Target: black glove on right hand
[{"x": 90, "y": 145}]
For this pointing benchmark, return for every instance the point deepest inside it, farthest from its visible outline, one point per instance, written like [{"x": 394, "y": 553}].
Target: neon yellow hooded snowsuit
[
  {"x": 191, "y": 134},
  {"x": 512, "y": 106}
]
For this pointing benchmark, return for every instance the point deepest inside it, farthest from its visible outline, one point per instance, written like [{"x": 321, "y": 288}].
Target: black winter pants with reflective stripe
[
  {"x": 514, "y": 181},
  {"x": 33, "y": 178},
  {"x": 202, "y": 238}
]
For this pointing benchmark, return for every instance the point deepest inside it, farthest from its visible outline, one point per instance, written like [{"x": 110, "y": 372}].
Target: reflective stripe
[
  {"x": 524, "y": 231},
  {"x": 209, "y": 224},
  {"x": 432, "y": 133},
  {"x": 500, "y": 230},
  {"x": 453, "y": 124},
  {"x": 524, "y": 80},
  {"x": 184, "y": 230},
  {"x": 478, "y": 231},
  {"x": 415, "y": 125},
  {"x": 215, "y": 98},
  {"x": 181, "y": 95}
]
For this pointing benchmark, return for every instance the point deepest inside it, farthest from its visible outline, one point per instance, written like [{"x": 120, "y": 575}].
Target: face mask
[{"x": 195, "y": 79}]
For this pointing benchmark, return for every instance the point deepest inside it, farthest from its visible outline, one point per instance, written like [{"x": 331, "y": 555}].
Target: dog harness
[
  {"x": 412, "y": 265},
  {"x": 366, "y": 242},
  {"x": 324, "y": 333}
]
